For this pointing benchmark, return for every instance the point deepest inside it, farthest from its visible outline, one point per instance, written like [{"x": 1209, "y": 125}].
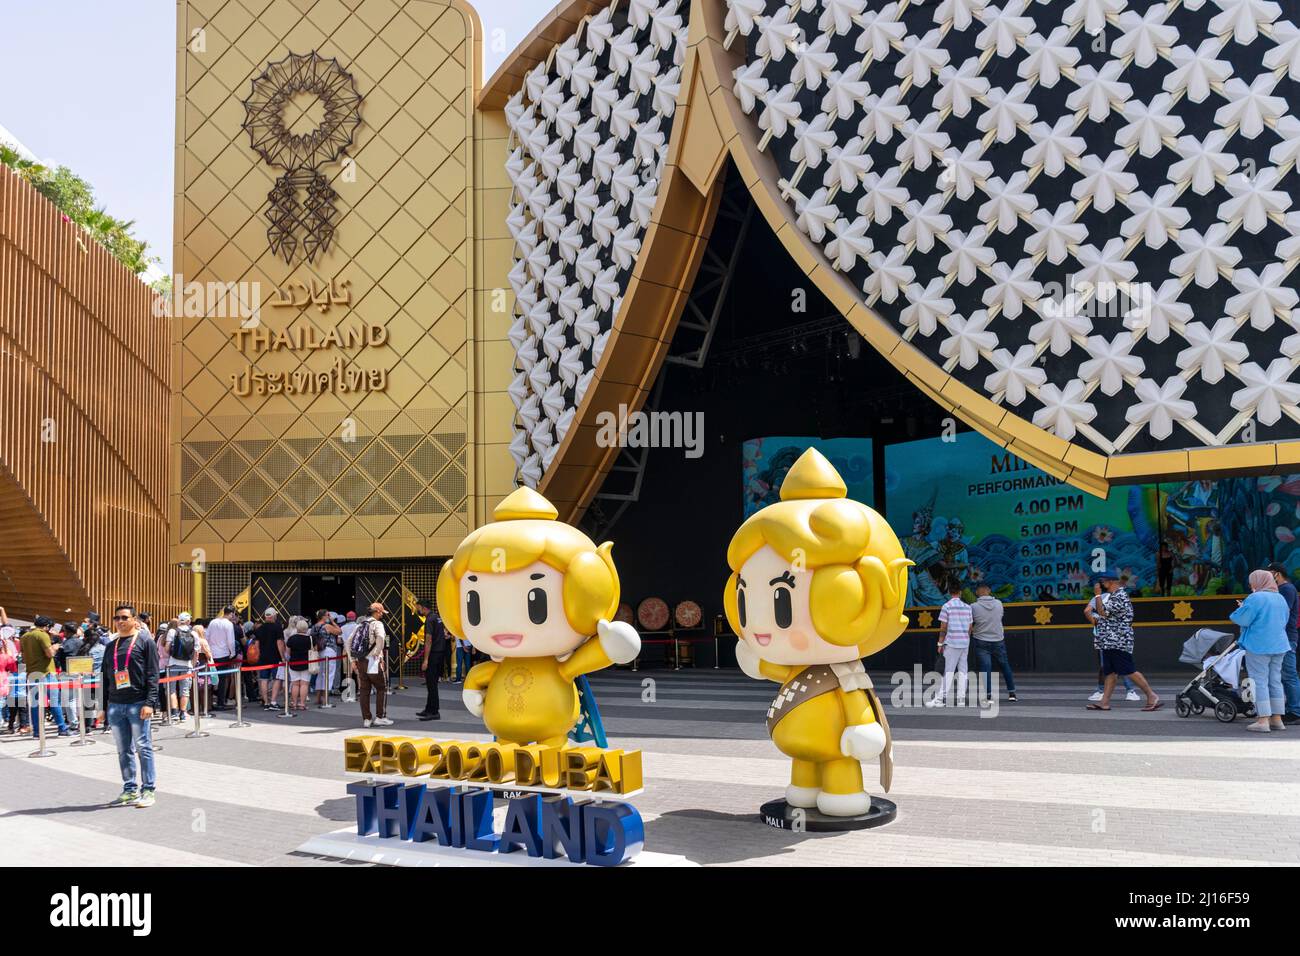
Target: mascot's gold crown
[
  {"x": 522, "y": 504},
  {"x": 812, "y": 476}
]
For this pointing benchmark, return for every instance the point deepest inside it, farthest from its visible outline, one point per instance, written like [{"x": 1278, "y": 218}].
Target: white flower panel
[
  {"x": 589, "y": 132},
  {"x": 1085, "y": 210}
]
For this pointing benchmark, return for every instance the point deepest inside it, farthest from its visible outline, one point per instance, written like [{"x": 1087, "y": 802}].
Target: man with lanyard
[
  {"x": 435, "y": 649},
  {"x": 129, "y": 677}
]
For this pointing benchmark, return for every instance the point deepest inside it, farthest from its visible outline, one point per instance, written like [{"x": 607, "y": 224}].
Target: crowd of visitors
[
  {"x": 135, "y": 674},
  {"x": 1267, "y": 619}
]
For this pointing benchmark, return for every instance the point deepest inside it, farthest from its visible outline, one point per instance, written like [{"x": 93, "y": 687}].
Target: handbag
[{"x": 313, "y": 661}]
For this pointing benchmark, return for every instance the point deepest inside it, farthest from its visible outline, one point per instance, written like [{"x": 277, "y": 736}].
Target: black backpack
[{"x": 181, "y": 645}]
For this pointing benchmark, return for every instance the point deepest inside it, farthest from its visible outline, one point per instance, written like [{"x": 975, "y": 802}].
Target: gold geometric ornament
[{"x": 301, "y": 155}]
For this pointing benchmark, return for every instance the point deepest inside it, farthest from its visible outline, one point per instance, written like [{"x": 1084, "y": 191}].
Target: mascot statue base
[{"x": 782, "y": 816}]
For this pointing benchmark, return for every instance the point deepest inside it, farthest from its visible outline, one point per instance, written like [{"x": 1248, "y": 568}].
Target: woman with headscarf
[{"x": 1262, "y": 619}]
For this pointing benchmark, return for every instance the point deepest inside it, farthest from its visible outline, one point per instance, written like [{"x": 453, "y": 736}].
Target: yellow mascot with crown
[
  {"x": 819, "y": 582},
  {"x": 536, "y": 596}
]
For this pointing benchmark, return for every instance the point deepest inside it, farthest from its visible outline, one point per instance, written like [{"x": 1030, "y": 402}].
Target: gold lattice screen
[{"x": 334, "y": 422}]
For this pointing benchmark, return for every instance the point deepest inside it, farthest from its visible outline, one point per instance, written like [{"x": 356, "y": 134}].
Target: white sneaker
[
  {"x": 1095, "y": 695},
  {"x": 383, "y": 722},
  {"x": 1132, "y": 695},
  {"x": 937, "y": 702},
  {"x": 365, "y": 723}
]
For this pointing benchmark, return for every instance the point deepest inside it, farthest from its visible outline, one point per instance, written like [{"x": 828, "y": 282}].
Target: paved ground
[{"x": 1043, "y": 781}]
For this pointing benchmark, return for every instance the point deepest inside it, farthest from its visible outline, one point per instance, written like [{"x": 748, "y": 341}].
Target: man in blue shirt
[{"x": 1290, "y": 680}]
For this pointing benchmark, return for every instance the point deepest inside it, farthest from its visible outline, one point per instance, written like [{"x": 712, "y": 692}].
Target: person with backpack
[
  {"x": 249, "y": 654},
  {"x": 182, "y": 654},
  {"x": 325, "y": 634},
  {"x": 369, "y": 660}
]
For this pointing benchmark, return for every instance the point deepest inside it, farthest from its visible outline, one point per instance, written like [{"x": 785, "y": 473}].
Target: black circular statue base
[{"x": 782, "y": 816}]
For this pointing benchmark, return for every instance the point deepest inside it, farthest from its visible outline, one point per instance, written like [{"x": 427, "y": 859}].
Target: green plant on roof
[{"x": 73, "y": 197}]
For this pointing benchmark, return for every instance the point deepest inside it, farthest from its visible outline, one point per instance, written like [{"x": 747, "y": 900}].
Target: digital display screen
[
  {"x": 766, "y": 460},
  {"x": 968, "y": 507}
]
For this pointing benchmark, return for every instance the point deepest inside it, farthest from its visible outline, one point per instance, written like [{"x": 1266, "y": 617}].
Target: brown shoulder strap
[{"x": 886, "y": 755}]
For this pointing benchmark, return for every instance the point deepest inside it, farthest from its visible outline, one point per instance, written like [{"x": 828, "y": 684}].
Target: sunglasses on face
[{"x": 121, "y": 617}]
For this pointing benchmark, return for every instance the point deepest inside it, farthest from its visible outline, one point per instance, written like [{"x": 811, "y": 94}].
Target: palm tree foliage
[{"x": 74, "y": 197}]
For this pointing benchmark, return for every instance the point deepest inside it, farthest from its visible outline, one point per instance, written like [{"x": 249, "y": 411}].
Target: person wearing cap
[
  {"x": 370, "y": 666},
  {"x": 182, "y": 649},
  {"x": 270, "y": 639},
  {"x": 92, "y": 629},
  {"x": 1115, "y": 637},
  {"x": 435, "y": 651},
  {"x": 38, "y": 655},
  {"x": 1290, "y": 679}
]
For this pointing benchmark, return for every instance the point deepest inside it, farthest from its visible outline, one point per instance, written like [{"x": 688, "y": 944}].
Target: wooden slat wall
[{"x": 84, "y": 413}]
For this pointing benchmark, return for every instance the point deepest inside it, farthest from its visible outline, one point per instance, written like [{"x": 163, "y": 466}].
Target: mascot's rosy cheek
[{"x": 799, "y": 640}]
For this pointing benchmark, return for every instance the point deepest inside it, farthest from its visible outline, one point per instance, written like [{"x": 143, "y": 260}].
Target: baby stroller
[{"x": 1218, "y": 685}]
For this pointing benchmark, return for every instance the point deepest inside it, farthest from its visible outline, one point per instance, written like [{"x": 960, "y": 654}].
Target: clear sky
[{"x": 91, "y": 85}]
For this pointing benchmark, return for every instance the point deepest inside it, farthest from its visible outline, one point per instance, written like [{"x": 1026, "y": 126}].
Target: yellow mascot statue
[
  {"x": 819, "y": 582},
  {"x": 536, "y": 596}
]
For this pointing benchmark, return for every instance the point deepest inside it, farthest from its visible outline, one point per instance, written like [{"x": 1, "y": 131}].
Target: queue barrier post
[
  {"x": 81, "y": 740},
  {"x": 43, "y": 751},
  {"x": 239, "y": 700},
  {"x": 715, "y": 652},
  {"x": 325, "y": 662},
  {"x": 198, "y": 730},
  {"x": 285, "y": 664},
  {"x": 102, "y": 708}
]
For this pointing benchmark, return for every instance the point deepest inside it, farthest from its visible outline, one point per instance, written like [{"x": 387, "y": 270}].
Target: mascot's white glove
[
  {"x": 748, "y": 660},
  {"x": 473, "y": 701},
  {"x": 619, "y": 640},
  {"x": 862, "y": 741}
]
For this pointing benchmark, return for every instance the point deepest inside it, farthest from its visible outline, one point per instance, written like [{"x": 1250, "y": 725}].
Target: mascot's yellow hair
[
  {"x": 523, "y": 530},
  {"x": 859, "y": 582}
]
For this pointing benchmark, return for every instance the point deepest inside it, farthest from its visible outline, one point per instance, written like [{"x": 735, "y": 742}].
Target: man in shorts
[{"x": 1115, "y": 639}]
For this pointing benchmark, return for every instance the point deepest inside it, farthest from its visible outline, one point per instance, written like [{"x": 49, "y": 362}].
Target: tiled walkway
[{"x": 1043, "y": 781}]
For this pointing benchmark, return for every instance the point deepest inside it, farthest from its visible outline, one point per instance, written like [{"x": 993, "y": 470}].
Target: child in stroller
[{"x": 1218, "y": 685}]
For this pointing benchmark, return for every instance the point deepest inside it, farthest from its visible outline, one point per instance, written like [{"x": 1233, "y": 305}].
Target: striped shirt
[{"x": 956, "y": 613}]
